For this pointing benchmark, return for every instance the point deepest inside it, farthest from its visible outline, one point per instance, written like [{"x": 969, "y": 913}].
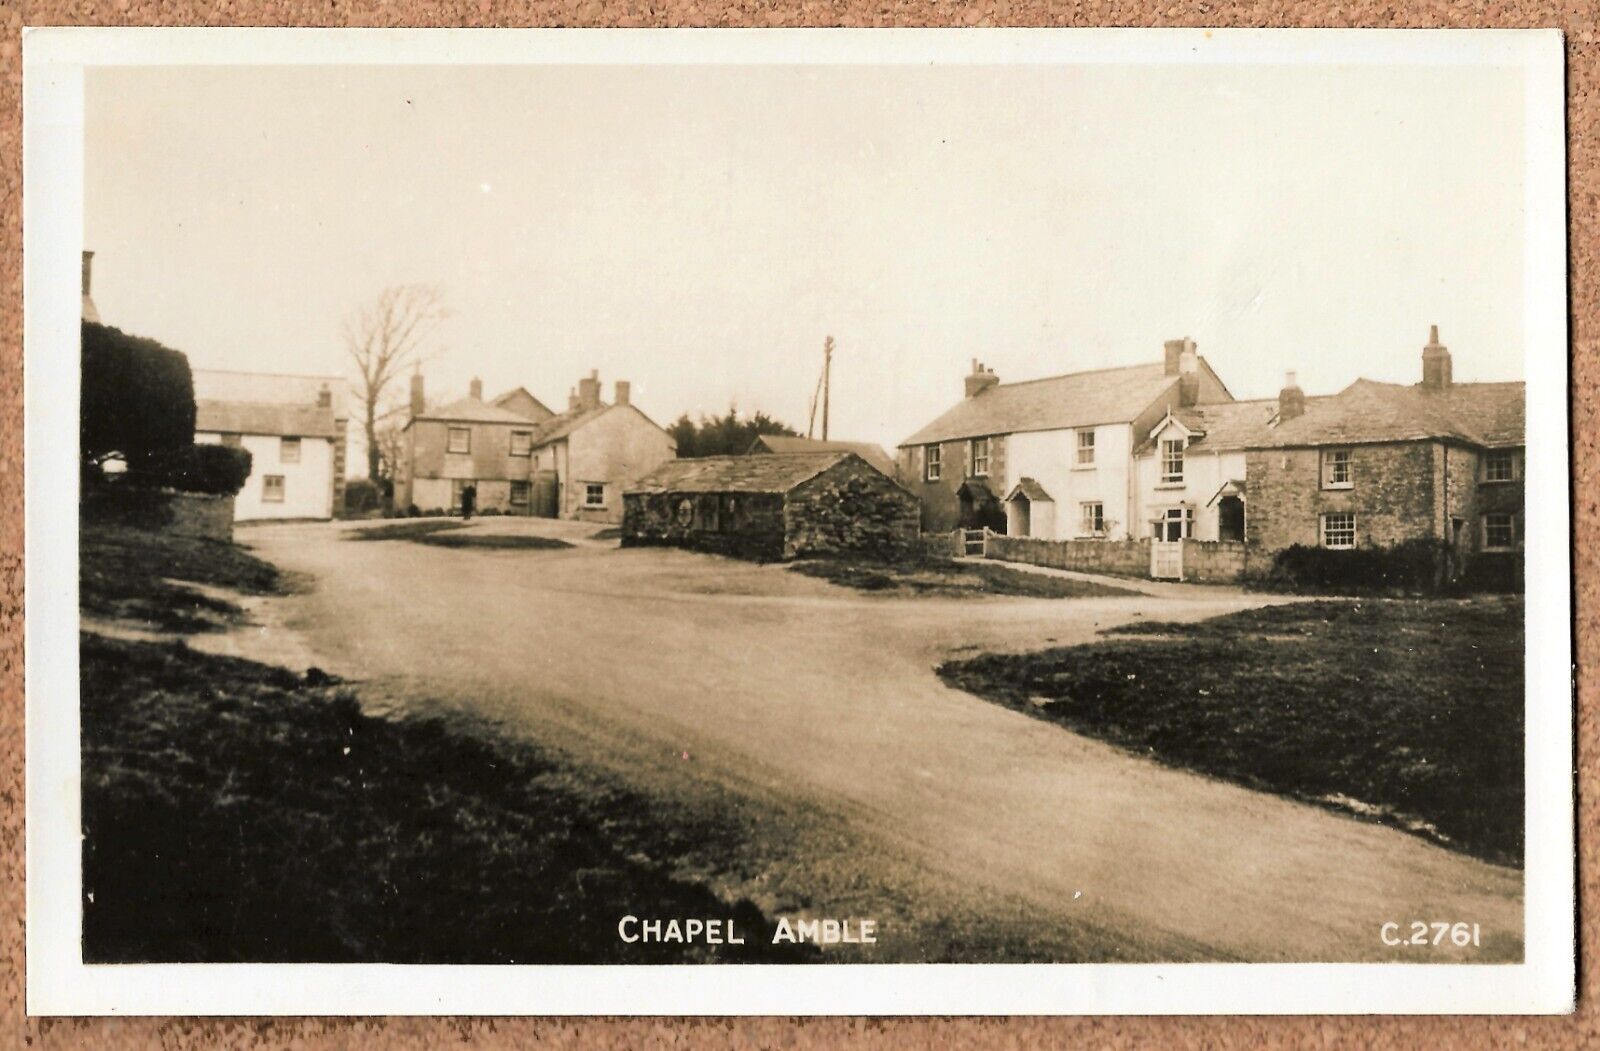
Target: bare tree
[{"x": 384, "y": 340}]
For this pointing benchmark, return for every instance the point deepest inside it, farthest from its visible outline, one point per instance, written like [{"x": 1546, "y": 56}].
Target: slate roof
[
  {"x": 240, "y": 417},
  {"x": 1031, "y": 489},
  {"x": 782, "y": 443},
  {"x": 563, "y": 424},
  {"x": 772, "y": 473},
  {"x": 1075, "y": 400},
  {"x": 1225, "y": 426},
  {"x": 1484, "y": 414},
  {"x": 473, "y": 410}
]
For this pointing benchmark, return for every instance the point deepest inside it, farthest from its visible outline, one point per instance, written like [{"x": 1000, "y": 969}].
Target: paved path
[{"x": 965, "y": 828}]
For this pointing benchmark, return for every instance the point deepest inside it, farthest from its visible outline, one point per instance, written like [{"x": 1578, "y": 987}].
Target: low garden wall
[{"x": 1124, "y": 558}]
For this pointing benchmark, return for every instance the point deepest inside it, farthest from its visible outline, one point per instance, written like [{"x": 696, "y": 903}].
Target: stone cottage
[
  {"x": 585, "y": 458},
  {"x": 1382, "y": 463},
  {"x": 1050, "y": 458},
  {"x": 776, "y": 506}
]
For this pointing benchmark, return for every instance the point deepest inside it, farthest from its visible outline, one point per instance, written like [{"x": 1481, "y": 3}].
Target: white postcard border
[{"x": 59, "y": 983}]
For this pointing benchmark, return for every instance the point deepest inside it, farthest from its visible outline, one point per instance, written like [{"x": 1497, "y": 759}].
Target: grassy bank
[
  {"x": 947, "y": 577},
  {"x": 144, "y": 577},
  {"x": 1406, "y": 711}
]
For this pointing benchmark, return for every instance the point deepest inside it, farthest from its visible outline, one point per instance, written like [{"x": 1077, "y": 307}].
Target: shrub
[
  {"x": 1411, "y": 565},
  {"x": 137, "y": 396},
  {"x": 217, "y": 470},
  {"x": 361, "y": 495}
]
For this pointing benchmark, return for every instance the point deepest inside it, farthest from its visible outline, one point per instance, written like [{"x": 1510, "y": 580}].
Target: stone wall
[
  {"x": 1221, "y": 562},
  {"x": 941, "y": 508},
  {"x": 1126, "y": 558},
  {"x": 851, "y": 508},
  {"x": 746, "y": 525}
]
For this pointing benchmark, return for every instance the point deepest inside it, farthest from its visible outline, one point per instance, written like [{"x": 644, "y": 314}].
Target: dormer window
[{"x": 1171, "y": 461}]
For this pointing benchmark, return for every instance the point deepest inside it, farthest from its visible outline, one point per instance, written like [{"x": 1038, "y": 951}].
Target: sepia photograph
[{"x": 796, "y": 501}]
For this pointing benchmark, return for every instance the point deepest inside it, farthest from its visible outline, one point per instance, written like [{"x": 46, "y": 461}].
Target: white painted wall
[
  {"x": 307, "y": 485},
  {"x": 1049, "y": 457},
  {"x": 1203, "y": 474}
]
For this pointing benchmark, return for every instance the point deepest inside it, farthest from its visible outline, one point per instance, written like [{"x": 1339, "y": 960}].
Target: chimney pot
[
  {"x": 1188, "y": 374},
  {"x": 981, "y": 379},
  {"x": 475, "y": 389},
  {"x": 88, "y": 272},
  {"x": 589, "y": 390}
]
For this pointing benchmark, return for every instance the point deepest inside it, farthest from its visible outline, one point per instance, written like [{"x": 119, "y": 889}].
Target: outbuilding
[{"x": 779, "y": 506}]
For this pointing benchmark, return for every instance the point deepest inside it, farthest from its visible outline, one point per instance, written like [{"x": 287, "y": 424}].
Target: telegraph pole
[{"x": 827, "y": 376}]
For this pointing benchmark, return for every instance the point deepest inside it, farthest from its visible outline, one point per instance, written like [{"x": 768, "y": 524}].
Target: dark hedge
[{"x": 137, "y": 398}]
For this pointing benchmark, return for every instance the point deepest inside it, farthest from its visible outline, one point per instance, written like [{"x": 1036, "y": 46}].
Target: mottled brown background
[{"x": 1578, "y": 18}]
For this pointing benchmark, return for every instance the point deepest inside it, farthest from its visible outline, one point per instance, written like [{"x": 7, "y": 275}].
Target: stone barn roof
[
  {"x": 782, "y": 443},
  {"x": 770, "y": 473}
]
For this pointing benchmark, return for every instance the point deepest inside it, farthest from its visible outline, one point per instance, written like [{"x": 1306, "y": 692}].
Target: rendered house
[
  {"x": 295, "y": 428},
  {"x": 774, "y": 506},
  {"x": 523, "y": 459},
  {"x": 1051, "y": 458},
  {"x": 1382, "y": 463},
  {"x": 585, "y": 458}
]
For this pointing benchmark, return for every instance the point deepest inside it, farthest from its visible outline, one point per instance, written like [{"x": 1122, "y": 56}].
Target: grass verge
[
  {"x": 950, "y": 578},
  {"x": 1405, "y": 711},
  {"x": 234, "y": 811}
]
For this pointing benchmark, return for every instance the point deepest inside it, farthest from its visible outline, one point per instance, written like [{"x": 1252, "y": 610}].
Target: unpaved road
[{"x": 812, "y": 714}]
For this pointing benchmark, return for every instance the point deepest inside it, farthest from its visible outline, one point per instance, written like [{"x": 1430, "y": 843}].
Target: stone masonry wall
[
  {"x": 851, "y": 508},
  {"x": 1393, "y": 496},
  {"x": 747, "y": 525},
  {"x": 941, "y": 508}
]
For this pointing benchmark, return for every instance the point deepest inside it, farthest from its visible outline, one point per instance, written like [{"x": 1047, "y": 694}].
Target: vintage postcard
[{"x": 797, "y": 522}]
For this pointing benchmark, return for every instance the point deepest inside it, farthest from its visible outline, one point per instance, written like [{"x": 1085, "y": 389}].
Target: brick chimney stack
[
  {"x": 417, "y": 403},
  {"x": 624, "y": 392},
  {"x": 572, "y": 399},
  {"x": 1291, "y": 399},
  {"x": 1435, "y": 362},
  {"x": 475, "y": 389},
  {"x": 981, "y": 379},
  {"x": 589, "y": 391},
  {"x": 1188, "y": 374},
  {"x": 88, "y": 273},
  {"x": 324, "y": 397}
]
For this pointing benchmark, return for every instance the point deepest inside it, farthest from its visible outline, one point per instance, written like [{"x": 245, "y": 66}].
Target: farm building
[{"x": 779, "y": 506}]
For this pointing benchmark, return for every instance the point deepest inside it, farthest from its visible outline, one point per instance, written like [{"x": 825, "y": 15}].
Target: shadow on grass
[
  {"x": 1404, "y": 711},
  {"x": 932, "y": 576},
  {"x": 447, "y": 533}
]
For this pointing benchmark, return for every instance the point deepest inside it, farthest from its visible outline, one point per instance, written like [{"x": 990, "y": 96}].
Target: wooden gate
[
  {"x": 973, "y": 542},
  {"x": 1166, "y": 559}
]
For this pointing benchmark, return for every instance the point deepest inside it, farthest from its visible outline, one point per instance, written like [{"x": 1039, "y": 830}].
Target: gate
[
  {"x": 1166, "y": 559},
  {"x": 973, "y": 542}
]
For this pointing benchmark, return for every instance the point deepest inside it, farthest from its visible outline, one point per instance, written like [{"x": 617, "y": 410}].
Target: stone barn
[{"x": 781, "y": 506}]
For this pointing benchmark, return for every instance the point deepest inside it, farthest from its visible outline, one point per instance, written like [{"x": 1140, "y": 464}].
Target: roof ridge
[{"x": 1080, "y": 372}]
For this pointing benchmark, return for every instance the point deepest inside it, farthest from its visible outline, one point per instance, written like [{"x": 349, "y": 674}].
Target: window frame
[
  {"x": 1511, "y": 530},
  {"x": 1329, "y": 464},
  {"x": 972, "y": 457},
  {"x": 1510, "y": 462},
  {"x": 1092, "y": 525},
  {"x": 1180, "y": 513},
  {"x": 932, "y": 463},
  {"x": 1170, "y": 477},
  {"x": 287, "y": 442},
  {"x": 1080, "y": 447},
  {"x": 267, "y": 481},
  {"x": 588, "y": 492},
  {"x": 450, "y": 441},
  {"x": 527, "y": 493},
  {"x": 1323, "y": 530},
  {"x": 527, "y": 436}
]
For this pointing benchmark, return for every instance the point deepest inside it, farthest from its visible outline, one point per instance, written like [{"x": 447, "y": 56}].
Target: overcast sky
[{"x": 699, "y": 231}]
